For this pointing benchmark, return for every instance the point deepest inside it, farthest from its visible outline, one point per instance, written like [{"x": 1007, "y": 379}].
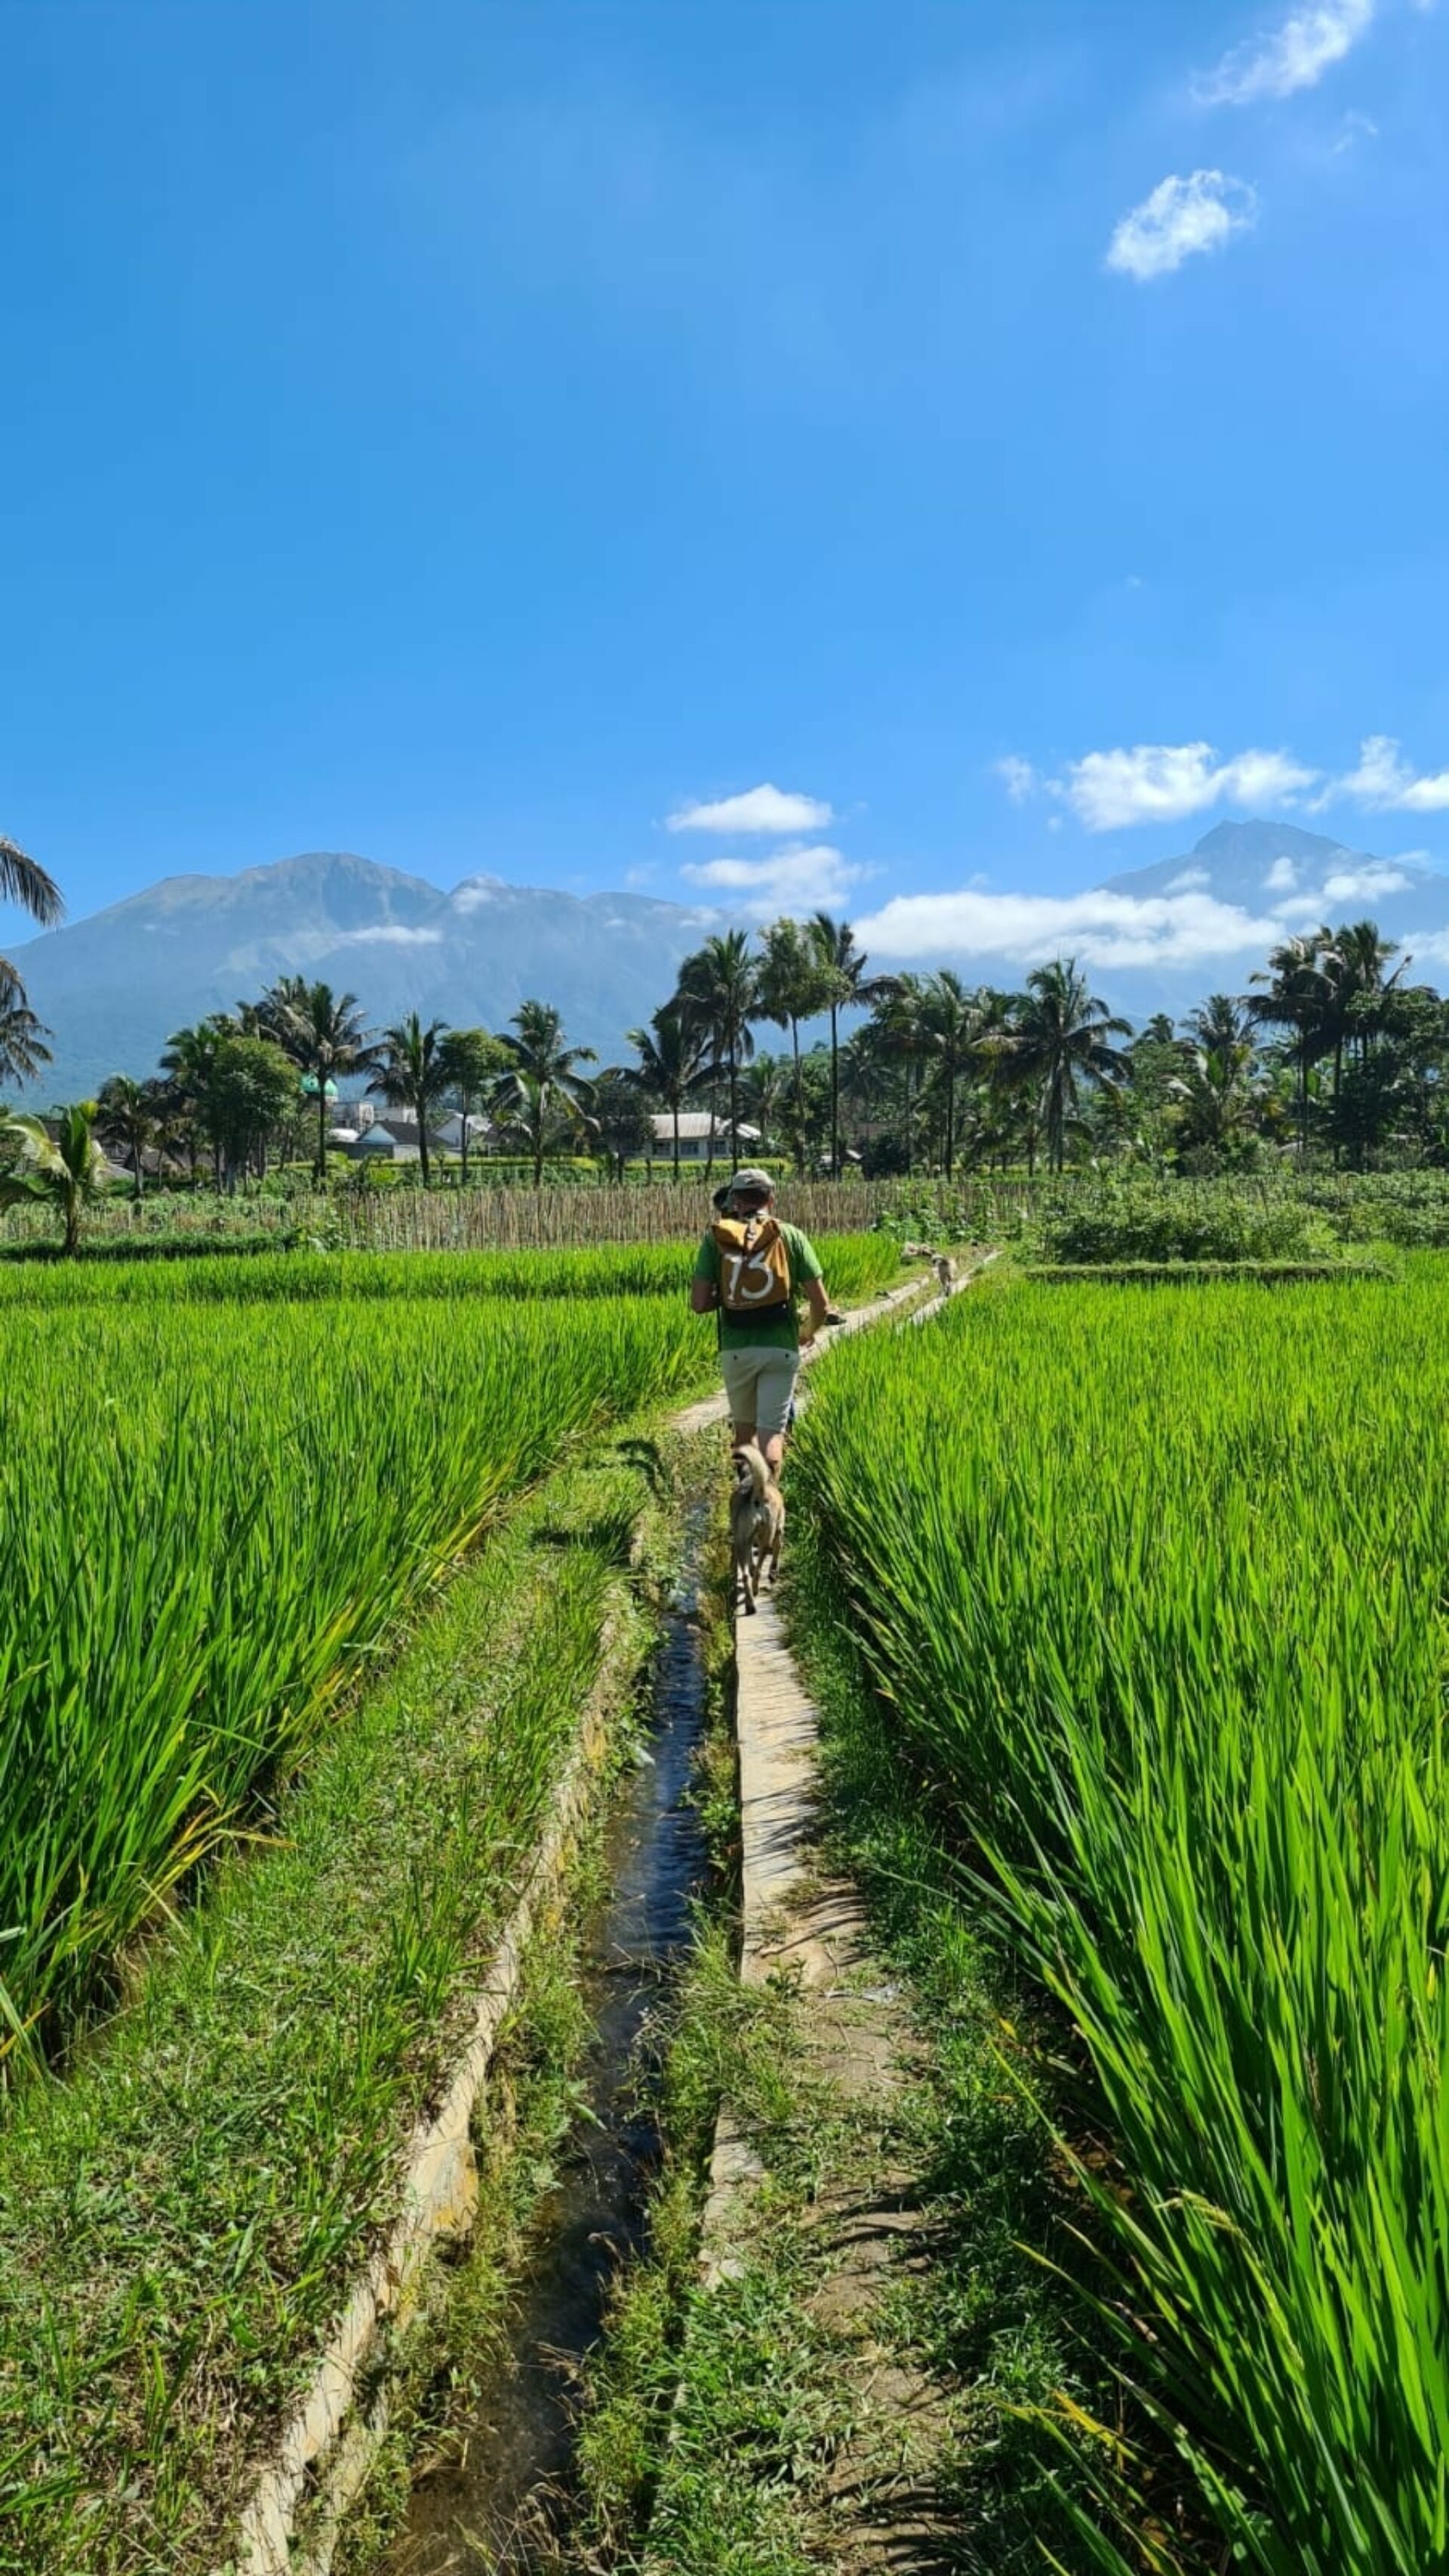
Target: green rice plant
[
  {"x": 208, "y": 1516},
  {"x": 182, "y": 2218},
  {"x": 1155, "y": 1590},
  {"x": 855, "y": 1266}
]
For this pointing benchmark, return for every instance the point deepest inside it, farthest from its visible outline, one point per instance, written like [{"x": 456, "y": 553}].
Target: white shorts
[{"x": 760, "y": 1384}]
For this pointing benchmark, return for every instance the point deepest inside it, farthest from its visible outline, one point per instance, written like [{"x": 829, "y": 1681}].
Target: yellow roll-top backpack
[{"x": 754, "y": 1265}]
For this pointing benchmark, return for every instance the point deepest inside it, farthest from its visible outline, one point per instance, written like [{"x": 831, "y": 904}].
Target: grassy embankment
[{"x": 1151, "y": 1593}]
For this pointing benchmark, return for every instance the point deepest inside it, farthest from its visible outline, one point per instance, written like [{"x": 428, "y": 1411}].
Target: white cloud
[
  {"x": 1181, "y": 216},
  {"x": 1282, "y": 877},
  {"x": 802, "y": 877},
  {"x": 1364, "y": 885},
  {"x": 1017, "y": 776},
  {"x": 1295, "y": 56},
  {"x": 1427, "y": 947},
  {"x": 1165, "y": 782},
  {"x": 1385, "y": 782},
  {"x": 760, "y": 809},
  {"x": 1161, "y": 782},
  {"x": 1189, "y": 877},
  {"x": 1102, "y": 928},
  {"x": 475, "y": 892},
  {"x": 393, "y": 934}
]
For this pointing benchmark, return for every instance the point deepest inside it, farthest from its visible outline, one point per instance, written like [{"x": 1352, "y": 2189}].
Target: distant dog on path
[
  {"x": 945, "y": 1270},
  {"x": 757, "y": 1522}
]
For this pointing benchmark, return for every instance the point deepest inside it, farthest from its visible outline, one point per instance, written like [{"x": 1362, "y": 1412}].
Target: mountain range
[{"x": 112, "y": 987}]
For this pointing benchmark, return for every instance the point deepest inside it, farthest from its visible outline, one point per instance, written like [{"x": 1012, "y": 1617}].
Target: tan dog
[
  {"x": 945, "y": 1270},
  {"x": 757, "y": 1522}
]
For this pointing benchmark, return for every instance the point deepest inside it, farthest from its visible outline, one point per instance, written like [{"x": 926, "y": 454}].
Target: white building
[
  {"x": 449, "y": 1133},
  {"x": 703, "y": 1138}
]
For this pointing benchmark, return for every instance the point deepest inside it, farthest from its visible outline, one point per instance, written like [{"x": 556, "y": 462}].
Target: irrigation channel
[{"x": 498, "y": 2507}]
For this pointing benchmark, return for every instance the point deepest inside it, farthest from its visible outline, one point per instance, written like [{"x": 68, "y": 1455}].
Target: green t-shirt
[{"x": 780, "y": 1329}]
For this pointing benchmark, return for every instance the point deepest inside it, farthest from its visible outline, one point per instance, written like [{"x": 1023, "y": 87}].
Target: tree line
[{"x": 1329, "y": 1045}]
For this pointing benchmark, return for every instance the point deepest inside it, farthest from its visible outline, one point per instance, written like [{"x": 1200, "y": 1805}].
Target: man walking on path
[{"x": 751, "y": 1269}]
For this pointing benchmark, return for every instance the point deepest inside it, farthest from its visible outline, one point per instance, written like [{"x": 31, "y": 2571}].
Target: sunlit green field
[
  {"x": 224, "y": 1478},
  {"x": 209, "y": 1513},
  {"x": 854, "y": 1265},
  {"x": 1154, "y": 1587}
]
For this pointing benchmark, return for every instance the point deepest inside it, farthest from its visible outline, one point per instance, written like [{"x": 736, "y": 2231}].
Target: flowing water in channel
[{"x": 495, "y": 2510}]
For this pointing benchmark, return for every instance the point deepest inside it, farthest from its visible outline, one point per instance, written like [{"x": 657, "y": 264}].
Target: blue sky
[{"x": 477, "y": 434}]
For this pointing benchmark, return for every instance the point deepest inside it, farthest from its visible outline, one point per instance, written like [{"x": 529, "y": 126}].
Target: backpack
[{"x": 754, "y": 1265}]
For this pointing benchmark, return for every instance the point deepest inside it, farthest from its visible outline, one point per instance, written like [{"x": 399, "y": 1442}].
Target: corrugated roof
[{"x": 696, "y": 1124}]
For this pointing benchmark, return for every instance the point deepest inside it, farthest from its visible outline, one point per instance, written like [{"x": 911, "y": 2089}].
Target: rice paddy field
[
  {"x": 1154, "y": 1589},
  {"x": 856, "y": 1264},
  {"x": 224, "y": 1482},
  {"x": 313, "y": 1562}
]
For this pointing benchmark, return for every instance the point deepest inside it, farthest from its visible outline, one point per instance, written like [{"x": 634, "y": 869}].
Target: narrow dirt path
[
  {"x": 859, "y": 2053},
  {"x": 878, "y": 2503}
]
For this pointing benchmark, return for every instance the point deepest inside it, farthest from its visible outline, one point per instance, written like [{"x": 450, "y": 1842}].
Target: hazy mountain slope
[{"x": 114, "y": 986}]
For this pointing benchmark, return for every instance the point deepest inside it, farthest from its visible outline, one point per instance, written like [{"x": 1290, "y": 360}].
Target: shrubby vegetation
[{"x": 1135, "y": 1218}]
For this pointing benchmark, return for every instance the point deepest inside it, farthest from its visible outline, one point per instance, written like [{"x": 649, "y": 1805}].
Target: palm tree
[
  {"x": 671, "y": 1063},
  {"x": 22, "y": 1033},
  {"x": 412, "y": 1074},
  {"x": 126, "y": 1116},
  {"x": 793, "y": 986},
  {"x": 67, "y": 1169},
  {"x": 544, "y": 1085},
  {"x": 719, "y": 995},
  {"x": 1358, "y": 988},
  {"x": 322, "y": 1033},
  {"x": 950, "y": 1028},
  {"x": 189, "y": 1064},
  {"x": 1219, "y": 1024},
  {"x": 1059, "y": 1041},
  {"x": 900, "y": 1022},
  {"x": 1216, "y": 1094},
  {"x": 848, "y": 987},
  {"x": 472, "y": 1060},
  {"x": 24, "y": 882},
  {"x": 1299, "y": 997},
  {"x": 765, "y": 1092}
]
